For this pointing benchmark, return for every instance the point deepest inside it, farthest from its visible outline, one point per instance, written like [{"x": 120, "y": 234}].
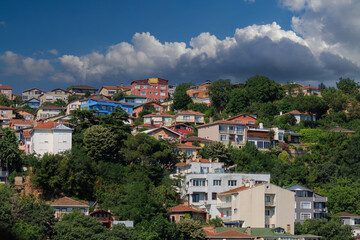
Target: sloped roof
[
  {"x": 158, "y": 114},
  {"x": 345, "y": 214},
  {"x": 240, "y": 115},
  {"x": 343, "y": 130},
  {"x": 51, "y": 107},
  {"x": 5, "y": 87},
  {"x": 65, "y": 201},
  {"x": 46, "y": 125},
  {"x": 32, "y": 89},
  {"x": 165, "y": 128},
  {"x": 21, "y": 122},
  {"x": 6, "y": 108},
  {"x": 231, "y": 234},
  {"x": 181, "y": 145},
  {"x": 235, "y": 190},
  {"x": 297, "y": 112},
  {"x": 110, "y": 87},
  {"x": 184, "y": 208},
  {"x": 198, "y": 139},
  {"x": 190, "y": 112},
  {"x": 222, "y": 121}
]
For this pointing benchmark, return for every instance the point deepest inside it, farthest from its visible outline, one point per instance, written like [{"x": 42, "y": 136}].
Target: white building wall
[
  {"x": 62, "y": 140},
  {"x": 51, "y": 141}
]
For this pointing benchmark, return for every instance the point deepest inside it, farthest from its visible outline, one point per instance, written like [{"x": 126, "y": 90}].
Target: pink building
[
  {"x": 7, "y": 91},
  {"x": 154, "y": 89}
]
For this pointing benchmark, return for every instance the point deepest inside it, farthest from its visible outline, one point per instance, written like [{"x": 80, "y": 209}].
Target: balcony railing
[
  {"x": 228, "y": 218},
  {"x": 223, "y": 205},
  {"x": 271, "y": 203}
]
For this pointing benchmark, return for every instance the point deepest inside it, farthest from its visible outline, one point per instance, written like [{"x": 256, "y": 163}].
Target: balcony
[
  {"x": 223, "y": 205},
  {"x": 270, "y": 204},
  {"x": 227, "y": 218}
]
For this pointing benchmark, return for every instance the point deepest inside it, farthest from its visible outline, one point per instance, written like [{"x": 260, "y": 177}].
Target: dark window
[{"x": 214, "y": 195}]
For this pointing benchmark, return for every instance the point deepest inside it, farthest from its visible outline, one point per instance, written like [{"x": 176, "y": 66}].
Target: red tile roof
[
  {"x": 181, "y": 145},
  {"x": 6, "y": 108},
  {"x": 145, "y": 81},
  {"x": 51, "y": 107},
  {"x": 203, "y": 160},
  {"x": 22, "y": 122},
  {"x": 231, "y": 234},
  {"x": 181, "y": 164},
  {"x": 111, "y": 87},
  {"x": 345, "y": 214},
  {"x": 27, "y": 133},
  {"x": 183, "y": 208},
  {"x": 65, "y": 201},
  {"x": 190, "y": 112},
  {"x": 221, "y": 121},
  {"x": 5, "y": 87},
  {"x": 47, "y": 125},
  {"x": 297, "y": 112}
]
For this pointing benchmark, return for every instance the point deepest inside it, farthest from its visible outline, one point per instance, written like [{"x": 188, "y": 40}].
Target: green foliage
[
  {"x": 262, "y": 89},
  {"x": 216, "y": 150},
  {"x": 99, "y": 143},
  {"x": 26, "y": 231},
  {"x": 284, "y": 156},
  {"x": 191, "y": 229},
  {"x": 219, "y": 93},
  {"x": 77, "y": 226},
  {"x": 238, "y": 101},
  {"x": 157, "y": 228},
  {"x": 332, "y": 229},
  {"x": 181, "y": 99},
  {"x": 287, "y": 119},
  {"x": 335, "y": 98},
  {"x": 73, "y": 97},
  {"x": 198, "y": 107},
  {"x": 118, "y": 96},
  {"x": 60, "y": 103},
  {"x": 17, "y": 101},
  {"x": 217, "y": 222},
  {"x": 87, "y": 94},
  {"x": 27, "y": 108},
  {"x": 4, "y": 101},
  {"x": 348, "y": 86},
  {"x": 310, "y": 135},
  {"x": 311, "y": 104},
  {"x": 10, "y": 155}
]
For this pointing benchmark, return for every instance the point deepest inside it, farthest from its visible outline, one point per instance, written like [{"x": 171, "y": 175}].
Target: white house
[
  {"x": 51, "y": 137},
  {"x": 300, "y": 116},
  {"x": 204, "y": 179}
]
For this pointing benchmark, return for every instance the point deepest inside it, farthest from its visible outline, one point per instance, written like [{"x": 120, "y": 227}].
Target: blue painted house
[
  {"x": 34, "y": 103},
  {"x": 134, "y": 100},
  {"x": 104, "y": 107}
]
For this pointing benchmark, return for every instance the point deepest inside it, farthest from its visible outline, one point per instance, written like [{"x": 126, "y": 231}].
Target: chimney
[
  {"x": 261, "y": 125},
  {"x": 251, "y": 183},
  {"x": 248, "y": 230}
]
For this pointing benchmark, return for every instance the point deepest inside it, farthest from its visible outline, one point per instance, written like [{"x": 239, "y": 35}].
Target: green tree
[
  {"x": 262, "y": 89},
  {"x": 219, "y": 93},
  {"x": 4, "y": 101},
  {"x": 118, "y": 96},
  {"x": 26, "y": 231},
  {"x": 10, "y": 155},
  {"x": 181, "y": 99},
  {"x": 60, "y": 103},
  {"x": 100, "y": 143},
  {"x": 119, "y": 231},
  {"x": 17, "y": 101},
  {"x": 313, "y": 105},
  {"x": 238, "y": 101},
  {"x": 77, "y": 226},
  {"x": 216, "y": 150},
  {"x": 348, "y": 86},
  {"x": 335, "y": 98},
  {"x": 157, "y": 228},
  {"x": 73, "y": 97},
  {"x": 191, "y": 229}
]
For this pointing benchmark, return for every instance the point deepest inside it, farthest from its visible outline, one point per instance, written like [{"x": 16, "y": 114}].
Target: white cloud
[
  {"x": 53, "y": 52},
  {"x": 15, "y": 64}
]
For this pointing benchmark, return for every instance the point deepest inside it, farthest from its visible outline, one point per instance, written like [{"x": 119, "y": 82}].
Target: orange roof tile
[
  {"x": 297, "y": 112},
  {"x": 231, "y": 234},
  {"x": 181, "y": 164},
  {"x": 22, "y": 122},
  {"x": 235, "y": 190},
  {"x": 27, "y": 133},
  {"x": 183, "y": 208},
  {"x": 5, "y": 87},
  {"x": 191, "y": 112},
  {"x": 65, "y": 201},
  {"x": 111, "y": 87},
  {"x": 47, "y": 125},
  {"x": 7, "y": 108},
  {"x": 182, "y": 145}
]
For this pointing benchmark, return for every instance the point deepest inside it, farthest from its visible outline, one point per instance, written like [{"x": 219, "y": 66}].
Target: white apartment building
[
  {"x": 50, "y": 137},
  {"x": 258, "y": 206},
  {"x": 204, "y": 179}
]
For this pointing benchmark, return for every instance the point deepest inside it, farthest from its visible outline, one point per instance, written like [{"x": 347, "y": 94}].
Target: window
[
  {"x": 198, "y": 118},
  {"x": 204, "y": 95},
  {"x": 199, "y": 182},
  {"x": 231, "y": 128},
  {"x": 186, "y": 117},
  {"x": 252, "y": 143},
  {"x": 143, "y": 93},
  {"x": 137, "y": 86},
  {"x": 156, "y": 93},
  {"x": 239, "y": 138},
  {"x": 267, "y": 198},
  {"x": 150, "y": 93},
  {"x": 189, "y": 152},
  {"x": 281, "y": 136},
  {"x": 304, "y": 216},
  {"x": 49, "y": 97},
  {"x": 4, "y": 112},
  {"x": 217, "y": 182},
  {"x": 260, "y": 144},
  {"x": 221, "y": 128},
  {"x": 144, "y": 87},
  {"x": 162, "y": 87},
  {"x": 228, "y": 199},
  {"x": 231, "y": 182},
  {"x": 305, "y": 205},
  {"x": 161, "y": 136},
  {"x": 251, "y": 122},
  {"x": 213, "y": 196},
  {"x": 223, "y": 137},
  {"x": 266, "y": 144},
  {"x": 58, "y": 92},
  {"x": 162, "y": 94},
  {"x": 269, "y": 212},
  {"x": 204, "y": 170},
  {"x": 195, "y": 197}
]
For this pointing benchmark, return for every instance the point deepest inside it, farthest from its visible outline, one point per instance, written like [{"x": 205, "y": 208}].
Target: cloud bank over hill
[{"x": 321, "y": 47}]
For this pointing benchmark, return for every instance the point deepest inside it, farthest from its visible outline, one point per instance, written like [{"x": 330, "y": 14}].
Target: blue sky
[{"x": 52, "y": 44}]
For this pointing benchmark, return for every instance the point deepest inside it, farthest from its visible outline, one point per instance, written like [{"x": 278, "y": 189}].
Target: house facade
[
  {"x": 108, "y": 91},
  {"x": 178, "y": 212},
  {"x": 205, "y": 179},
  {"x": 258, "y": 206},
  {"x": 104, "y": 217},
  {"x": 32, "y": 93},
  {"x": 82, "y": 90},
  {"x": 163, "y": 133},
  {"x": 7, "y": 91},
  {"x": 191, "y": 117},
  {"x": 306, "y": 90},
  {"x": 6, "y": 114},
  {"x": 162, "y": 119},
  {"x": 134, "y": 100},
  {"x": 54, "y": 95},
  {"x": 104, "y": 107},
  {"x": 353, "y": 221},
  {"x": 199, "y": 91},
  {"x": 308, "y": 204},
  {"x": 259, "y": 137},
  {"x": 300, "y": 116},
  {"x": 73, "y": 105},
  {"x": 149, "y": 106},
  {"x": 50, "y": 137},
  {"x": 66, "y": 205},
  {"x": 154, "y": 89},
  {"x": 25, "y": 114},
  {"x": 34, "y": 103},
  {"x": 48, "y": 111}
]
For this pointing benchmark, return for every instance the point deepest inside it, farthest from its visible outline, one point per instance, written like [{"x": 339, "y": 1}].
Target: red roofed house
[
  {"x": 154, "y": 89},
  {"x": 66, "y": 205},
  {"x": 26, "y": 115},
  {"x": 158, "y": 118},
  {"x": 104, "y": 217},
  {"x": 6, "y": 114},
  {"x": 300, "y": 116},
  {"x": 306, "y": 90},
  {"x": 190, "y": 117},
  {"x": 229, "y": 234},
  {"x": 190, "y": 150},
  {"x": 109, "y": 91},
  {"x": 48, "y": 111},
  {"x": 179, "y": 211},
  {"x": 21, "y": 123},
  {"x": 7, "y": 91},
  {"x": 202, "y": 141},
  {"x": 182, "y": 128},
  {"x": 244, "y": 119},
  {"x": 148, "y": 106},
  {"x": 50, "y": 137},
  {"x": 163, "y": 133}
]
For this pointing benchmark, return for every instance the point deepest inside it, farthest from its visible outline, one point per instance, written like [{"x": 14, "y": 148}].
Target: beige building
[
  {"x": 53, "y": 95},
  {"x": 158, "y": 118},
  {"x": 224, "y": 131},
  {"x": 73, "y": 105},
  {"x": 7, "y": 91},
  {"x": 32, "y": 93},
  {"x": 48, "y": 111},
  {"x": 109, "y": 91},
  {"x": 82, "y": 90},
  {"x": 6, "y": 114},
  {"x": 258, "y": 206},
  {"x": 190, "y": 117},
  {"x": 66, "y": 205}
]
